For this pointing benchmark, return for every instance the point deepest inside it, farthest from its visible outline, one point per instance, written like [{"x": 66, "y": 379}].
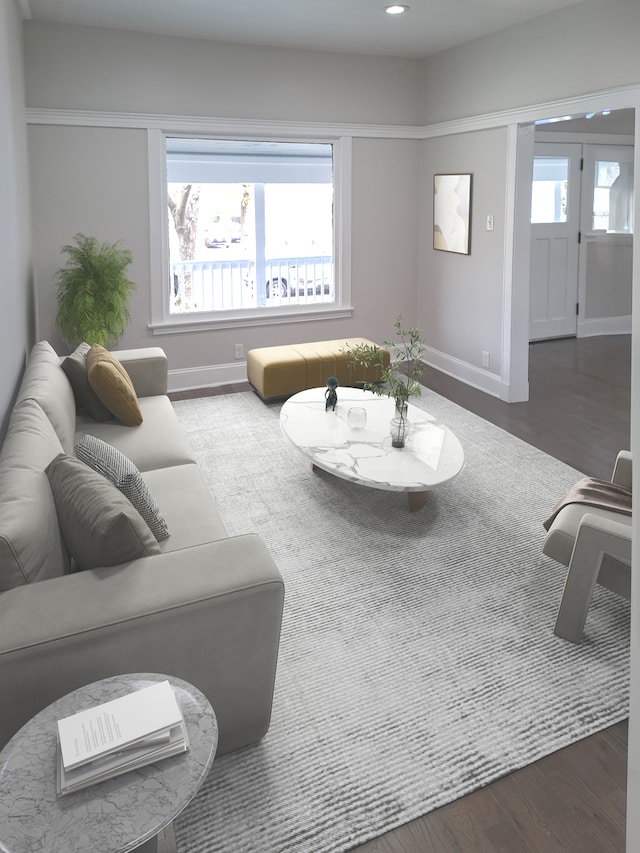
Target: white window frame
[
  {"x": 164, "y": 322},
  {"x": 592, "y": 154}
]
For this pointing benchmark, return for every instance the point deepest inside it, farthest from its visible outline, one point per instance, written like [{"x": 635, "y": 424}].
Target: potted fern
[
  {"x": 93, "y": 292},
  {"x": 400, "y": 379}
]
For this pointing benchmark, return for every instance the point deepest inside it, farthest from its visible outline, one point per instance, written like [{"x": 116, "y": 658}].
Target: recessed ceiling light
[{"x": 395, "y": 9}]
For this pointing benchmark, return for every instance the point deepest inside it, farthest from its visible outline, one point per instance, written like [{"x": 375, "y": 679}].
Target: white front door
[{"x": 555, "y": 225}]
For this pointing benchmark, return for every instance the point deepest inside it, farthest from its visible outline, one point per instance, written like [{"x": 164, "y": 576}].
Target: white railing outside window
[{"x": 228, "y": 285}]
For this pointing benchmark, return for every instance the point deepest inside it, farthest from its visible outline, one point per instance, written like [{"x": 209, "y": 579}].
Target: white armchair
[{"x": 595, "y": 544}]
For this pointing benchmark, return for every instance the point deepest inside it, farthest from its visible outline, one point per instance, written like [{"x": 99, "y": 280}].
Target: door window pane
[
  {"x": 613, "y": 197},
  {"x": 549, "y": 189}
]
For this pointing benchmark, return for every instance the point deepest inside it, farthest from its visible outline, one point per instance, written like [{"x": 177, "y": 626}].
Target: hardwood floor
[
  {"x": 579, "y": 401},
  {"x": 572, "y": 801}
]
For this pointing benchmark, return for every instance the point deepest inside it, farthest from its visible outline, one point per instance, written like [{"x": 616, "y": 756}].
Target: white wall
[
  {"x": 579, "y": 50},
  {"x": 460, "y": 297},
  {"x": 97, "y": 69},
  {"x": 609, "y": 266},
  {"x": 94, "y": 181},
  {"x": 16, "y": 334}
]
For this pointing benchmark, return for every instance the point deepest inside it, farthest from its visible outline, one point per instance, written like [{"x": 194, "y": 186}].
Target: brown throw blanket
[{"x": 592, "y": 492}]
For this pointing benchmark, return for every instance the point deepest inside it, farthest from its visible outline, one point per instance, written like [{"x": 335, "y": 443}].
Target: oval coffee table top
[
  {"x": 432, "y": 455},
  {"x": 115, "y": 816}
]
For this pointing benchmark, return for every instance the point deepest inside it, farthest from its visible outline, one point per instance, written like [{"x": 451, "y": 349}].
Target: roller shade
[{"x": 218, "y": 161}]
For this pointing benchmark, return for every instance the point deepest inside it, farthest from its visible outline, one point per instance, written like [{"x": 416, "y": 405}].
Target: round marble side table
[{"x": 116, "y": 816}]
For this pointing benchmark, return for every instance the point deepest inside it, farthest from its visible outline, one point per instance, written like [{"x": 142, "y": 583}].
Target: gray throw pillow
[
  {"x": 75, "y": 368},
  {"x": 100, "y": 527},
  {"x": 120, "y": 470}
]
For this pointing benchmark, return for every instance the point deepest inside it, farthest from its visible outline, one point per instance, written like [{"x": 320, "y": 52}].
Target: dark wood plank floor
[
  {"x": 573, "y": 801},
  {"x": 579, "y": 401}
]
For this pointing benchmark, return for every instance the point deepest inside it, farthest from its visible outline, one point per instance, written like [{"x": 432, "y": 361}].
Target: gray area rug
[{"x": 418, "y": 660}]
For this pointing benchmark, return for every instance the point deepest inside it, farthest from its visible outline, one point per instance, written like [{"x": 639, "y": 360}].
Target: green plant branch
[{"x": 400, "y": 378}]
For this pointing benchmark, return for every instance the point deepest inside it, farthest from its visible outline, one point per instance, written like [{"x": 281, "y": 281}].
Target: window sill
[{"x": 183, "y": 324}]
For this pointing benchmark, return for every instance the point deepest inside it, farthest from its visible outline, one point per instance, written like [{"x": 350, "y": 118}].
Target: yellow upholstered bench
[{"x": 284, "y": 370}]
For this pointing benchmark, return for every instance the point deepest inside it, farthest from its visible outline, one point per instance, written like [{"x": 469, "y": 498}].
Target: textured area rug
[{"x": 418, "y": 660}]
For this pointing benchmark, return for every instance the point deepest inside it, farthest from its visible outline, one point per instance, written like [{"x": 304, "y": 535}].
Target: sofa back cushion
[
  {"x": 45, "y": 382},
  {"x": 31, "y": 547},
  {"x": 75, "y": 369}
]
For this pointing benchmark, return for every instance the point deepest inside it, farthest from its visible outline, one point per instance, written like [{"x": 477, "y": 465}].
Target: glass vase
[{"x": 400, "y": 426}]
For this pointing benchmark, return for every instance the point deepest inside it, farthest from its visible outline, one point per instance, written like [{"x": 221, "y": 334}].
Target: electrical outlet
[
  {"x": 486, "y": 359},
  {"x": 238, "y": 350}
]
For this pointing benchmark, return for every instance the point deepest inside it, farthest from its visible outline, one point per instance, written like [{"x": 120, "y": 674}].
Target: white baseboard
[
  {"x": 477, "y": 377},
  {"x": 604, "y": 326},
  {"x": 213, "y": 375},
  {"x": 207, "y": 376}
]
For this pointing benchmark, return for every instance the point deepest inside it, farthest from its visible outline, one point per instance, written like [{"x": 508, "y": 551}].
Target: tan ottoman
[{"x": 285, "y": 370}]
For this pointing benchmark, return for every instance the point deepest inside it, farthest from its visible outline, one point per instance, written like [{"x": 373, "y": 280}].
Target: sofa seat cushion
[
  {"x": 100, "y": 526},
  {"x": 46, "y": 383},
  {"x": 31, "y": 546},
  {"x": 119, "y": 470},
  {"x": 158, "y": 442},
  {"x": 187, "y": 506}
]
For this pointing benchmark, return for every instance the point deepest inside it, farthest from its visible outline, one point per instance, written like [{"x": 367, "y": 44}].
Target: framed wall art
[{"x": 451, "y": 213}]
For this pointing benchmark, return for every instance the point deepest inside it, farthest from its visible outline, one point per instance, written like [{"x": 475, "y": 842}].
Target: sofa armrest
[
  {"x": 148, "y": 369},
  {"x": 209, "y": 614},
  {"x": 622, "y": 471}
]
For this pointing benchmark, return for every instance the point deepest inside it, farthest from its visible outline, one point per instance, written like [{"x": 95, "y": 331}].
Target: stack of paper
[{"x": 121, "y": 735}]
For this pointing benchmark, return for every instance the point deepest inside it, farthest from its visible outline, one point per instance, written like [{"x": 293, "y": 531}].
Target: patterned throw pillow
[{"x": 118, "y": 469}]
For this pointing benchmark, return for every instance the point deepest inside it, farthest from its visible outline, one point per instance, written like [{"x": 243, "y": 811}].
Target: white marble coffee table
[
  {"x": 123, "y": 814},
  {"x": 431, "y": 456}
]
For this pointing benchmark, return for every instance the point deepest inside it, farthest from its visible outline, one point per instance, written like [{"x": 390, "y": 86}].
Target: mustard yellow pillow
[{"x": 113, "y": 386}]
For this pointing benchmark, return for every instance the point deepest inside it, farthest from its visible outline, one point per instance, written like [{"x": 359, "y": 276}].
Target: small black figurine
[{"x": 330, "y": 395}]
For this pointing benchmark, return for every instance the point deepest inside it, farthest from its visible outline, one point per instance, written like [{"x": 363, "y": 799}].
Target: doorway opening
[{"x": 582, "y": 202}]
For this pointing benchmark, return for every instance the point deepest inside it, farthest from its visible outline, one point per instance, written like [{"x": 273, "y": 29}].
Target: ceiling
[{"x": 343, "y": 26}]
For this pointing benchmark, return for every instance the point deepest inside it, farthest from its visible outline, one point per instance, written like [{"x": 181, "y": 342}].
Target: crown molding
[
  {"x": 624, "y": 97},
  {"x": 615, "y": 99}
]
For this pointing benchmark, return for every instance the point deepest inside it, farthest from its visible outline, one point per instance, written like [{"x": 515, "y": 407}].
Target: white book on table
[
  {"x": 116, "y": 763},
  {"x": 133, "y": 720}
]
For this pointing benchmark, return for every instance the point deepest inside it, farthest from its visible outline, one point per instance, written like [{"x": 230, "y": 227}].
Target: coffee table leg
[
  {"x": 167, "y": 840},
  {"x": 163, "y": 842},
  {"x": 417, "y": 500}
]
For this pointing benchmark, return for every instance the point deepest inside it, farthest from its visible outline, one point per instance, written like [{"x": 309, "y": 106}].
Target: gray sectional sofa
[{"x": 201, "y": 605}]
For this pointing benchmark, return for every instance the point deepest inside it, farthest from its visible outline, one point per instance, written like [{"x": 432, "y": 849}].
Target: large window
[{"x": 250, "y": 226}]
